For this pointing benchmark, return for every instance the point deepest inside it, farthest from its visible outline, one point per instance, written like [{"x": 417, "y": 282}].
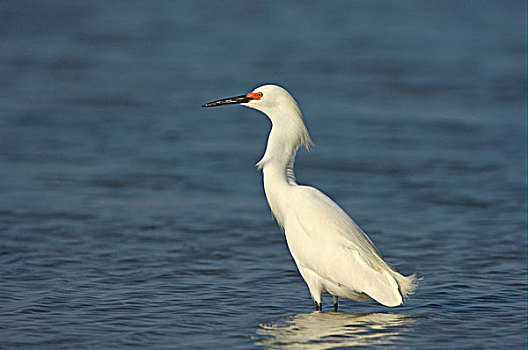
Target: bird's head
[
  {"x": 265, "y": 98},
  {"x": 272, "y": 100},
  {"x": 280, "y": 107}
]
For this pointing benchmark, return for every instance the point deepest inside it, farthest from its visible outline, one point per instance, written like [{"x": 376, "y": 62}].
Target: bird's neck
[
  {"x": 277, "y": 168},
  {"x": 278, "y": 160}
]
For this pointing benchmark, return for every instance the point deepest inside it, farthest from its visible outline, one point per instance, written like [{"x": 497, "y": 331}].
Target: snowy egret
[{"x": 331, "y": 251}]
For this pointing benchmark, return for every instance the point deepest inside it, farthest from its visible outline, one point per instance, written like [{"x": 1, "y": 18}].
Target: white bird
[{"x": 331, "y": 251}]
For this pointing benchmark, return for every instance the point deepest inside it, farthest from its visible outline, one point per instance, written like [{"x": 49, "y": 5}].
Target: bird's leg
[
  {"x": 318, "y": 306},
  {"x": 335, "y": 303}
]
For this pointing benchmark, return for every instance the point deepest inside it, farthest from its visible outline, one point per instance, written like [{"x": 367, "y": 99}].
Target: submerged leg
[
  {"x": 318, "y": 306},
  {"x": 335, "y": 303},
  {"x": 314, "y": 285}
]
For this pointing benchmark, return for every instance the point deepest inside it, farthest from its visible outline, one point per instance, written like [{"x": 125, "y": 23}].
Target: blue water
[{"x": 132, "y": 218}]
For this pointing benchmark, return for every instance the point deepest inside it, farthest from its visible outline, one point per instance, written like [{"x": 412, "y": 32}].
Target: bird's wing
[
  {"x": 332, "y": 222},
  {"x": 330, "y": 244}
]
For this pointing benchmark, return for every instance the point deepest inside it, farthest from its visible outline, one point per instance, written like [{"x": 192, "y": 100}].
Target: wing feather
[{"x": 333, "y": 246}]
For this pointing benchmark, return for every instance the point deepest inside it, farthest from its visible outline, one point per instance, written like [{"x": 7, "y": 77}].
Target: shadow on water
[{"x": 323, "y": 330}]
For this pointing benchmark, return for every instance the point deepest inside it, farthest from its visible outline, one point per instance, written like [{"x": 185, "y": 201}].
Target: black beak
[{"x": 229, "y": 101}]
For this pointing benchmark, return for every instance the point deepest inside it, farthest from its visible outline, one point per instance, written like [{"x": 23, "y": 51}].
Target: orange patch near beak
[{"x": 255, "y": 95}]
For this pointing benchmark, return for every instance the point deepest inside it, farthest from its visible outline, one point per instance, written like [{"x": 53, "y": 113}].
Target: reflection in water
[{"x": 324, "y": 330}]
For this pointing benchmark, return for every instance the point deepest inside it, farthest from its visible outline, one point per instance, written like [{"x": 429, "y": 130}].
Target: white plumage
[{"x": 331, "y": 251}]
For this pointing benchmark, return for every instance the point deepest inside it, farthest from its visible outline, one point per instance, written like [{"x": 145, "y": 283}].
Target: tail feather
[{"x": 406, "y": 284}]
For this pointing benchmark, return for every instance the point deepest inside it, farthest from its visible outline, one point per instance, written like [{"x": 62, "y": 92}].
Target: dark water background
[{"x": 130, "y": 217}]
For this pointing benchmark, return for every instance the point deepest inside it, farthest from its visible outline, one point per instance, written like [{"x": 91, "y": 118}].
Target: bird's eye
[{"x": 259, "y": 94}]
